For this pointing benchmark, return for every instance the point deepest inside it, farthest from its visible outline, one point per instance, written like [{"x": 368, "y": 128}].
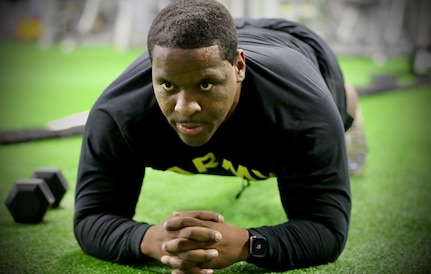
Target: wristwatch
[{"x": 257, "y": 244}]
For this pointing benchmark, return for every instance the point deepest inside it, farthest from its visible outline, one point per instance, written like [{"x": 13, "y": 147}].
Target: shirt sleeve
[
  {"x": 314, "y": 188},
  {"x": 107, "y": 192}
]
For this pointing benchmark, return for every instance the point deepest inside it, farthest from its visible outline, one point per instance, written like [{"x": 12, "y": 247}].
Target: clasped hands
[{"x": 196, "y": 242}]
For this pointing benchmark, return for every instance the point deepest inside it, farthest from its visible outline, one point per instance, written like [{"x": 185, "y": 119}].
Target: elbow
[
  {"x": 85, "y": 238},
  {"x": 80, "y": 237},
  {"x": 338, "y": 244}
]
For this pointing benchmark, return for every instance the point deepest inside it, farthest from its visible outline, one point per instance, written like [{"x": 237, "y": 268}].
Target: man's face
[{"x": 196, "y": 90}]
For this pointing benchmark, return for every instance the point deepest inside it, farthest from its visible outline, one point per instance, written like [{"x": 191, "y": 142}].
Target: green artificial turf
[{"x": 391, "y": 221}]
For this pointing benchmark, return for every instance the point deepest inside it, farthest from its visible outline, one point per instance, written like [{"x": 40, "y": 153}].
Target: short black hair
[{"x": 192, "y": 24}]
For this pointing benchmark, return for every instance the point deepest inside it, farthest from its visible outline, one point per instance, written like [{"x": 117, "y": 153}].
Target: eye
[
  {"x": 168, "y": 86},
  {"x": 206, "y": 86}
]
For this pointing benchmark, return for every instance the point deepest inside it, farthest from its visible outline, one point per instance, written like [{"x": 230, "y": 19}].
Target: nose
[{"x": 187, "y": 104}]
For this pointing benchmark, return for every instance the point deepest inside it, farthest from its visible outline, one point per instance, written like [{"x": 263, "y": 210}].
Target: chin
[{"x": 194, "y": 142}]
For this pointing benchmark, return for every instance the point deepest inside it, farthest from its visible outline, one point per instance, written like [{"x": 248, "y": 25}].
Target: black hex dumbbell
[
  {"x": 30, "y": 198},
  {"x": 55, "y": 180}
]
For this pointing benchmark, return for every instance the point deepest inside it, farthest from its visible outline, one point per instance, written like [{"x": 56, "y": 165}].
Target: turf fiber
[{"x": 391, "y": 220}]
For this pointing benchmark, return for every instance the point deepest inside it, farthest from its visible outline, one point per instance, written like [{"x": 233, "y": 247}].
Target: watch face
[{"x": 258, "y": 247}]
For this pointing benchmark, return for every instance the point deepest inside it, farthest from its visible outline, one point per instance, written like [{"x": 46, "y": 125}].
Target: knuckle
[
  {"x": 185, "y": 265},
  {"x": 185, "y": 222},
  {"x": 165, "y": 247},
  {"x": 182, "y": 244},
  {"x": 197, "y": 214},
  {"x": 188, "y": 222},
  {"x": 190, "y": 233}
]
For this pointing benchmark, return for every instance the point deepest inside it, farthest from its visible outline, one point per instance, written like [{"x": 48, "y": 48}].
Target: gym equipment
[
  {"x": 55, "y": 181},
  {"x": 67, "y": 126},
  {"x": 29, "y": 199}
]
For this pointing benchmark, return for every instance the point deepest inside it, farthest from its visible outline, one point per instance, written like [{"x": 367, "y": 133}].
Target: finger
[
  {"x": 177, "y": 262},
  {"x": 177, "y": 223},
  {"x": 189, "y": 259},
  {"x": 201, "y": 215},
  {"x": 194, "y": 270},
  {"x": 177, "y": 246},
  {"x": 201, "y": 234},
  {"x": 199, "y": 255}
]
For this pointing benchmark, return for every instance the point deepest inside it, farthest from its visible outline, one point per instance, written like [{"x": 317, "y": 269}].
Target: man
[{"x": 273, "y": 105}]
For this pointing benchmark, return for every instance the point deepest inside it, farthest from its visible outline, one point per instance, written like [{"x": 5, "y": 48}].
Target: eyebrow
[{"x": 210, "y": 76}]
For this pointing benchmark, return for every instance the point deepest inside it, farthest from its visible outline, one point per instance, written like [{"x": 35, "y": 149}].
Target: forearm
[
  {"x": 298, "y": 244},
  {"x": 111, "y": 237}
]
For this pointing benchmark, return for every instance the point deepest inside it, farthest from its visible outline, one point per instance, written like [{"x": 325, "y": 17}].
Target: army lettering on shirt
[{"x": 209, "y": 162}]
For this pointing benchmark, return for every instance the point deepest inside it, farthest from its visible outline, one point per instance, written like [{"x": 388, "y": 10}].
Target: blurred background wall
[{"x": 376, "y": 28}]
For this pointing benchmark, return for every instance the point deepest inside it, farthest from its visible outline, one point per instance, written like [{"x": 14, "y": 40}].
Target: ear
[{"x": 240, "y": 66}]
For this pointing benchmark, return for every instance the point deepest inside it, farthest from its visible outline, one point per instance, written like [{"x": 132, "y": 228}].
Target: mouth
[{"x": 189, "y": 129}]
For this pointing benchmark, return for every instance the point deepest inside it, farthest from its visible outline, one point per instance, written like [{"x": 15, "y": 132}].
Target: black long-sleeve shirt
[{"x": 287, "y": 125}]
